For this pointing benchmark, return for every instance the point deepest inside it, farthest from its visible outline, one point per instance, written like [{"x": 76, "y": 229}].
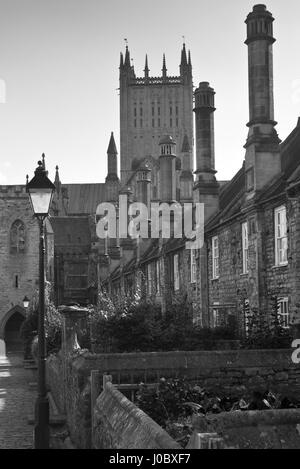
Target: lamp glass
[
  {"x": 25, "y": 303},
  {"x": 40, "y": 200}
]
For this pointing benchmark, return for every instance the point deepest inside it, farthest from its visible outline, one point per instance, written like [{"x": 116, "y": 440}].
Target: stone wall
[
  {"x": 263, "y": 429},
  {"x": 119, "y": 424},
  {"x": 19, "y": 267},
  {"x": 235, "y": 372}
]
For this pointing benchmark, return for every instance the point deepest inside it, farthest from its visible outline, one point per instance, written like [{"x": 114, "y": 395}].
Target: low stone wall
[
  {"x": 262, "y": 429},
  {"x": 235, "y": 372},
  {"x": 224, "y": 371},
  {"x": 55, "y": 380},
  {"x": 119, "y": 424}
]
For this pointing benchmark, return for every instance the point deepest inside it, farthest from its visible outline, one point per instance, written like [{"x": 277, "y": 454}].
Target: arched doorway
[{"x": 11, "y": 330}]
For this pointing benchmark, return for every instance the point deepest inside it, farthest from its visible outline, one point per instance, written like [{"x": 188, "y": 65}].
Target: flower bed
[{"x": 175, "y": 401}]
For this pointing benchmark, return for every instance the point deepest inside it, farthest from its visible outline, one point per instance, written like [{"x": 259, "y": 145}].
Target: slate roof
[
  {"x": 232, "y": 194},
  {"x": 84, "y": 198}
]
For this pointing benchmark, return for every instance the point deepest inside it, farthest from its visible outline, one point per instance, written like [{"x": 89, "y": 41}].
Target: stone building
[
  {"x": 19, "y": 261},
  {"x": 251, "y": 222},
  {"x": 151, "y": 107},
  {"x": 252, "y": 232}
]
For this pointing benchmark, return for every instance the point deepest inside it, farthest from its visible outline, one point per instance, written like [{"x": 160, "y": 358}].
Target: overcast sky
[{"x": 59, "y": 61}]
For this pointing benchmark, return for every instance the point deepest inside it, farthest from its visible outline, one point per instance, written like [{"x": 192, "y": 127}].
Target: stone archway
[{"x": 10, "y": 339}]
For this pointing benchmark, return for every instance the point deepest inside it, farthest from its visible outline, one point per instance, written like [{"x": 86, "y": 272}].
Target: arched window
[{"x": 17, "y": 237}]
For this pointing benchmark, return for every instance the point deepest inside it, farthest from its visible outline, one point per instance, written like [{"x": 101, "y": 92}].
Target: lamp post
[
  {"x": 25, "y": 302},
  {"x": 40, "y": 190}
]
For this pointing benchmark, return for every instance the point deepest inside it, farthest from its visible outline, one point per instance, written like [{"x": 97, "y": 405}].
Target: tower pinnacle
[{"x": 164, "y": 69}]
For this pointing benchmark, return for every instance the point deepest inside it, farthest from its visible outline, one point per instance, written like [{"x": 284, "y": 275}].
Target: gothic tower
[{"x": 151, "y": 107}]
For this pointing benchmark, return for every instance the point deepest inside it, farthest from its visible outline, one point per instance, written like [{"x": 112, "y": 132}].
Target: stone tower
[
  {"x": 151, "y": 107},
  {"x": 262, "y": 161}
]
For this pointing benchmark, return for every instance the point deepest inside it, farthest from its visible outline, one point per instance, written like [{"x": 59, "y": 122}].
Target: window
[
  {"x": 17, "y": 237},
  {"x": 215, "y": 318},
  {"x": 215, "y": 257},
  {"x": 280, "y": 236},
  {"x": 176, "y": 272},
  {"x": 149, "y": 279},
  {"x": 245, "y": 247},
  {"x": 157, "y": 265},
  {"x": 193, "y": 266},
  {"x": 283, "y": 312}
]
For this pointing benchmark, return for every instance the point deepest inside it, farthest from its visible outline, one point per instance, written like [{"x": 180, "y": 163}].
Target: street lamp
[
  {"x": 40, "y": 190},
  {"x": 25, "y": 302}
]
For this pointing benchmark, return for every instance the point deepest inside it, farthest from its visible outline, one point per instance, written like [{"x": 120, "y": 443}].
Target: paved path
[{"x": 16, "y": 404}]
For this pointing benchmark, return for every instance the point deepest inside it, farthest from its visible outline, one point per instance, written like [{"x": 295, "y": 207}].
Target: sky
[{"x": 59, "y": 75}]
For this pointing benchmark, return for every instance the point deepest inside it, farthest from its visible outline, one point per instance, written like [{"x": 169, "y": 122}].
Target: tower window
[
  {"x": 152, "y": 111},
  {"x": 17, "y": 281},
  {"x": 141, "y": 111},
  {"x": 158, "y": 110},
  {"x": 17, "y": 237},
  {"x": 134, "y": 122},
  {"x": 135, "y": 112}
]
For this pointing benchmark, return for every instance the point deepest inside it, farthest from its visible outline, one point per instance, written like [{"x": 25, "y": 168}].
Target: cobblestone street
[{"x": 16, "y": 404}]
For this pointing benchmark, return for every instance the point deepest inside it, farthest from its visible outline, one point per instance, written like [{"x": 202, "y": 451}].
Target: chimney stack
[
  {"x": 262, "y": 160},
  {"x": 206, "y": 186}
]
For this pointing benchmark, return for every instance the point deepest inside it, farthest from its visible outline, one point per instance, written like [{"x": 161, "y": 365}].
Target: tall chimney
[
  {"x": 206, "y": 187},
  {"x": 167, "y": 170},
  {"x": 262, "y": 161}
]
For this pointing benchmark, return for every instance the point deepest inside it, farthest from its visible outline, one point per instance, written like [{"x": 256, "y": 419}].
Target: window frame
[
  {"x": 284, "y": 301},
  {"x": 245, "y": 247},
  {"x": 149, "y": 279},
  {"x": 193, "y": 268},
  {"x": 215, "y": 259},
  {"x": 176, "y": 277},
  {"x": 277, "y": 237}
]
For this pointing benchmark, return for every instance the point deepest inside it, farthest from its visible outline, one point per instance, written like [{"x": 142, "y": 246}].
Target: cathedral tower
[{"x": 151, "y": 107}]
